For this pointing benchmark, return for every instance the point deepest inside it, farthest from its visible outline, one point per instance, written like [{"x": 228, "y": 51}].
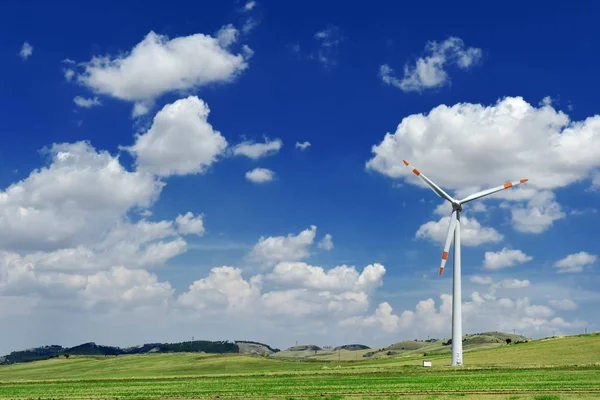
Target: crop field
[{"x": 560, "y": 368}]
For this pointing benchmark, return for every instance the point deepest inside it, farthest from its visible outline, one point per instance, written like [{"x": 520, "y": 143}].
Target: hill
[
  {"x": 93, "y": 349},
  {"x": 427, "y": 347},
  {"x": 566, "y": 352},
  {"x": 352, "y": 347}
]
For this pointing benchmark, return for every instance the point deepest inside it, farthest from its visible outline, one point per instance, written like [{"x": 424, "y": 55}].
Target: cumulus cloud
[
  {"x": 72, "y": 201},
  {"x": 301, "y": 290},
  {"x": 303, "y": 145},
  {"x": 188, "y": 224},
  {"x": 515, "y": 283},
  {"x": 224, "y": 288},
  {"x": 430, "y": 71},
  {"x": 502, "y": 142},
  {"x": 159, "y": 65},
  {"x": 481, "y": 280},
  {"x": 564, "y": 304},
  {"x": 274, "y": 249},
  {"x": 255, "y": 151},
  {"x": 180, "y": 141},
  {"x": 260, "y": 175},
  {"x": 575, "y": 262},
  {"x": 538, "y": 214},
  {"x": 326, "y": 243},
  {"x": 340, "y": 278},
  {"x": 504, "y": 258},
  {"x": 86, "y": 102},
  {"x": 471, "y": 232},
  {"x": 26, "y": 51},
  {"x": 249, "y": 5},
  {"x": 480, "y": 313}
]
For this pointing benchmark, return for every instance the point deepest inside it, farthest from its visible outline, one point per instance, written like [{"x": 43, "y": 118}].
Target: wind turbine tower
[{"x": 454, "y": 228}]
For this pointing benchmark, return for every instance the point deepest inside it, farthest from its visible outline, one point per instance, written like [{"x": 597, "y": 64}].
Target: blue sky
[{"x": 471, "y": 96}]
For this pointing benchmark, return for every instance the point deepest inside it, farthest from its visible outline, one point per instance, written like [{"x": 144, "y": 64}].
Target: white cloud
[
  {"x": 326, "y": 243},
  {"x": 227, "y": 35},
  {"x": 481, "y": 313},
  {"x": 224, "y": 288},
  {"x": 504, "y": 258},
  {"x": 274, "y": 249},
  {"x": 339, "y": 279},
  {"x": 329, "y": 40},
  {"x": 515, "y": 284},
  {"x": 180, "y": 141},
  {"x": 303, "y": 145},
  {"x": 26, "y": 51},
  {"x": 481, "y": 280},
  {"x": 249, "y": 25},
  {"x": 471, "y": 232},
  {"x": 249, "y": 5},
  {"x": 256, "y": 151},
  {"x": 429, "y": 72},
  {"x": 69, "y": 74},
  {"x": 575, "y": 262},
  {"x": 72, "y": 201},
  {"x": 525, "y": 141},
  {"x": 302, "y": 290},
  {"x": 188, "y": 224},
  {"x": 383, "y": 318},
  {"x": 260, "y": 175},
  {"x": 596, "y": 181},
  {"x": 159, "y": 65},
  {"x": 564, "y": 304},
  {"x": 538, "y": 214},
  {"x": 86, "y": 103}
]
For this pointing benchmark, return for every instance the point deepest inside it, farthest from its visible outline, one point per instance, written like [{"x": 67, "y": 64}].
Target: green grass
[{"x": 560, "y": 368}]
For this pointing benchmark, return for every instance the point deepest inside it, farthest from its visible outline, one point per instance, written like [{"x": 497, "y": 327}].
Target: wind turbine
[{"x": 456, "y": 276}]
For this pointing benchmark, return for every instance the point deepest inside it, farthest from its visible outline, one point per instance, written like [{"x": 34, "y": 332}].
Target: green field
[{"x": 557, "y": 368}]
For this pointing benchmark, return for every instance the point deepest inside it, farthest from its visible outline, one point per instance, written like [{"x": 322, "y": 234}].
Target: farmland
[{"x": 555, "y": 368}]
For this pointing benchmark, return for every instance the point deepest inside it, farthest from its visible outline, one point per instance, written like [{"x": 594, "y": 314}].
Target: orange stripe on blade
[
  {"x": 445, "y": 255},
  {"x": 405, "y": 162},
  {"x": 523, "y": 180},
  {"x": 441, "y": 270},
  {"x": 507, "y": 185},
  {"x": 417, "y": 172}
]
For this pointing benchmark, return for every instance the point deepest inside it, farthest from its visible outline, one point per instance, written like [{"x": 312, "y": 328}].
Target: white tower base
[{"x": 456, "y": 299}]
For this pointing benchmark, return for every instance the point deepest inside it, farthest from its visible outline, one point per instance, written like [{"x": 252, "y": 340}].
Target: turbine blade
[
  {"x": 449, "y": 238},
  {"x": 436, "y": 189},
  {"x": 487, "y": 192}
]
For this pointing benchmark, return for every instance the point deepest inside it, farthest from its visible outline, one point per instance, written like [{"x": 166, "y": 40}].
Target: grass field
[{"x": 557, "y": 368}]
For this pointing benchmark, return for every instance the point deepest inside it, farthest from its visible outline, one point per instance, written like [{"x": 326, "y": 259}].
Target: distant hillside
[
  {"x": 93, "y": 349},
  {"x": 249, "y": 347},
  {"x": 427, "y": 348},
  {"x": 352, "y": 347},
  {"x": 304, "y": 347}
]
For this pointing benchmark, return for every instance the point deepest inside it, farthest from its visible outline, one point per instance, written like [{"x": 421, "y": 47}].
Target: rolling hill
[
  {"x": 566, "y": 352},
  {"x": 404, "y": 348},
  {"x": 93, "y": 349}
]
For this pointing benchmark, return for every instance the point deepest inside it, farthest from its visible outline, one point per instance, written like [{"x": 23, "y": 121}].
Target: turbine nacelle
[{"x": 457, "y": 206}]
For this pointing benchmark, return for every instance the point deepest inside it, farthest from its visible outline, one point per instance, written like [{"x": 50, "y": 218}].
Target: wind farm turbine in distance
[{"x": 456, "y": 276}]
